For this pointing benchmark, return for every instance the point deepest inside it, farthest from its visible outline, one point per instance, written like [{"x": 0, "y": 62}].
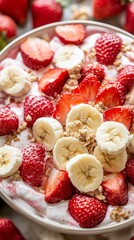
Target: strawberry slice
[
  {"x": 36, "y": 53},
  {"x": 96, "y": 68},
  {"x": 52, "y": 81},
  {"x": 88, "y": 87},
  {"x": 125, "y": 77},
  {"x": 116, "y": 189},
  {"x": 58, "y": 187},
  {"x": 73, "y": 33},
  {"x": 119, "y": 114},
  {"x": 65, "y": 103}
]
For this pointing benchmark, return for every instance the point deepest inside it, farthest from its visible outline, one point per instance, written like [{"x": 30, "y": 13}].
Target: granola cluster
[{"x": 119, "y": 213}]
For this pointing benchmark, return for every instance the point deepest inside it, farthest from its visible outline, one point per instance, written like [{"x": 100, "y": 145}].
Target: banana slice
[
  {"x": 10, "y": 160},
  {"x": 47, "y": 130},
  {"x": 112, "y": 137},
  {"x": 66, "y": 148},
  {"x": 89, "y": 116},
  {"x": 68, "y": 57},
  {"x": 131, "y": 144},
  {"x": 85, "y": 172},
  {"x": 111, "y": 163},
  {"x": 15, "y": 81}
]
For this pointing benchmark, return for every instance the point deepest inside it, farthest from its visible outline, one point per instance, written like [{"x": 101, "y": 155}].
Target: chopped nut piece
[
  {"x": 28, "y": 118},
  {"x": 101, "y": 107},
  {"x": 17, "y": 176},
  {"x": 119, "y": 213},
  {"x": 98, "y": 193},
  {"x": 72, "y": 82},
  {"x": 22, "y": 127}
]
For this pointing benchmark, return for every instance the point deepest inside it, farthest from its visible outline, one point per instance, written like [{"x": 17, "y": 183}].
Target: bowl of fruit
[{"x": 66, "y": 127}]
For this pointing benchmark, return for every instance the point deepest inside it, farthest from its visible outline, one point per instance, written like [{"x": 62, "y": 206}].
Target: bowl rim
[{"x": 13, "y": 203}]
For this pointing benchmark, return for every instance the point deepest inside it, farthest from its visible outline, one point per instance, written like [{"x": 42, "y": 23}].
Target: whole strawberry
[
  {"x": 8, "y": 230},
  {"x": 88, "y": 211},
  {"x": 8, "y": 121},
  {"x": 15, "y": 9},
  {"x": 36, "y": 107},
  {"x": 44, "y": 12},
  {"x": 33, "y": 164},
  {"x": 130, "y": 169},
  {"x": 129, "y": 26},
  {"x": 96, "y": 68}
]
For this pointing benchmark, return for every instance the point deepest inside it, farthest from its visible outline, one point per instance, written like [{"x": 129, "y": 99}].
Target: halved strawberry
[
  {"x": 110, "y": 95},
  {"x": 52, "y": 81},
  {"x": 96, "y": 68},
  {"x": 65, "y": 103},
  {"x": 121, "y": 114},
  {"x": 125, "y": 77},
  {"x": 88, "y": 87},
  {"x": 58, "y": 187},
  {"x": 73, "y": 33},
  {"x": 116, "y": 189},
  {"x": 36, "y": 53}
]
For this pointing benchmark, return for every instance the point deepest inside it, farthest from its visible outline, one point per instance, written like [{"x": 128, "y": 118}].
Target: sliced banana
[
  {"x": 85, "y": 172},
  {"x": 68, "y": 57},
  {"x": 131, "y": 144},
  {"x": 112, "y": 137},
  {"x": 111, "y": 163},
  {"x": 10, "y": 160},
  {"x": 89, "y": 117},
  {"x": 14, "y": 81},
  {"x": 47, "y": 130},
  {"x": 66, "y": 148}
]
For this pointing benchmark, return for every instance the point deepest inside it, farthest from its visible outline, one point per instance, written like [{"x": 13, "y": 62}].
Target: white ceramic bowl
[{"x": 18, "y": 204}]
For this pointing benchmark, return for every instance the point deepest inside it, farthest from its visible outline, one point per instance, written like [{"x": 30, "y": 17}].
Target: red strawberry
[
  {"x": 15, "y": 9},
  {"x": 96, "y": 68},
  {"x": 65, "y": 103},
  {"x": 116, "y": 189},
  {"x": 8, "y": 121},
  {"x": 132, "y": 238},
  {"x": 36, "y": 107},
  {"x": 129, "y": 26},
  {"x": 130, "y": 169},
  {"x": 8, "y": 230},
  {"x": 110, "y": 96},
  {"x": 125, "y": 77},
  {"x": 36, "y": 53},
  {"x": 58, "y": 187},
  {"x": 110, "y": 8},
  {"x": 71, "y": 34},
  {"x": 8, "y": 26},
  {"x": 121, "y": 114},
  {"x": 88, "y": 211},
  {"x": 33, "y": 164},
  {"x": 88, "y": 87},
  {"x": 52, "y": 81},
  {"x": 107, "y": 47},
  {"x": 44, "y": 12}
]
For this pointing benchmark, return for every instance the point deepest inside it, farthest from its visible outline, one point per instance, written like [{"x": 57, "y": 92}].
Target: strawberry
[
  {"x": 15, "y": 9},
  {"x": 116, "y": 189},
  {"x": 71, "y": 34},
  {"x": 44, "y": 12},
  {"x": 121, "y": 114},
  {"x": 8, "y": 230},
  {"x": 58, "y": 187},
  {"x": 125, "y": 77},
  {"x": 36, "y": 107},
  {"x": 130, "y": 169},
  {"x": 33, "y": 164},
  {"x": 110, "y": 96},
  {"x": 88, "y": 88},
  {"x": 110, "y": 8},
  {"x": 87, "y": 211},
  {"x": 129, "y": 26},
  {"x": 107, "y": 47},
  {"x": 96, "y": 68},
  {"x": 132, "y": 238},
  {"x": 52, "y": 81},
  {"x": 65, "y": 103},
  {"x": 36, "y": 53},
  {"x": 8, "y": 121}
]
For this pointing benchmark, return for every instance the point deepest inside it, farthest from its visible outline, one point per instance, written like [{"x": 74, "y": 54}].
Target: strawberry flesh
[
  {"x": 52, "y": 81},
  {"x": 96, "y": 69},
  {"x": 116, "y": 189},
  {"x": 36, "y": 53},
  {"x": 125, "y": 77},
  {"x": 58, "y": 187},
  {"x": 130, "y": 169},
  {"x": 64, "y": 105},
  {"x": 87, "y": 211},
  {"x": 71, "y": 34},
  {"x": 121, "y": 114}
]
